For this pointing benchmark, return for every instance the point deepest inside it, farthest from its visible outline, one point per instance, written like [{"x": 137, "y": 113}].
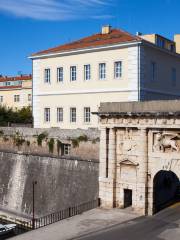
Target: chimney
[
  {"x": 177, "y": 41},
  {"x": 106, "y": 29},
  {"x": 138, "y": 34}
]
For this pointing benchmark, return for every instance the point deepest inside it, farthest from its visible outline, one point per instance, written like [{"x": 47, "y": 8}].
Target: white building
[{"x": 70, "y": 81}]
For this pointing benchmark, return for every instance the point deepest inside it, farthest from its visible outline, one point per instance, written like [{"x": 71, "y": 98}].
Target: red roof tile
[
  {"x": 17, "y": 78},
  {"x": 114, "y": 37}
]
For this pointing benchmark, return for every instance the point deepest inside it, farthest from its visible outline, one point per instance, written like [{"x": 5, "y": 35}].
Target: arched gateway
[
  {"x": 165, "y": 189},
  {"x": 139, "y": 154}
]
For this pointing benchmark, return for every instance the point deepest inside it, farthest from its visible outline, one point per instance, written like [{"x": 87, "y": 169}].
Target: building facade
[
  {"x": 71, "y": 80},
  {"x": 140, "y": 155},
  {"x": 16, "y": 92}
]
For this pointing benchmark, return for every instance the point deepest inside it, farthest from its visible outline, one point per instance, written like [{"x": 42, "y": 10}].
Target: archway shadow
[{"x": 166, "y": 186}]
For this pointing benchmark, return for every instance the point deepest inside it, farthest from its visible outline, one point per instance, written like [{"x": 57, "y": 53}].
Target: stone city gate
[{"x": 139, "y": 155}]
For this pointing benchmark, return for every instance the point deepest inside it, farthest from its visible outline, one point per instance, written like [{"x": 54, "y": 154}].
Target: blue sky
[{"x": 27, "y": 26}]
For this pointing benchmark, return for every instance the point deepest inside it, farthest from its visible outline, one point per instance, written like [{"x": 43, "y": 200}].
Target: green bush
[
  {"x": 41, "y": 137},
  {"x": 9, "y": 115},
  {"x": 59, "y": 144},
  {"x": 51, "y": 145}
]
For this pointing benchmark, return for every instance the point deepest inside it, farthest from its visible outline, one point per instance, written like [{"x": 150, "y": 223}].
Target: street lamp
[{"x": 33, "y": 219}]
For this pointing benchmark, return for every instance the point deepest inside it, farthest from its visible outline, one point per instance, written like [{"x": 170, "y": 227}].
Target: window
[
  {"x": 16, "y": 98},
  {"x": 73, "y": 115},
  {"x": 29, "y": 97},
  {"x": 160, "y": 42},
  {"x": 60, "y": 74},
  {"x": 173, "y": 77},
  {"x": 8, "y": 83},
  {"x": 87, "y": 72},
  {"x": 117, "y": 69},
  {"x": 66, "y": 149},
  {"x": 153, "y": 71},
  {"x": 1, "y": 99},
  {"x": 59, "y": 114},
  {"x": 47, "y": 114},
  {"x": 73, "y": 73},
  {"x": 102, "y": 71},
  {"x": 87, "y": 114},
  {"x": 47, "y": 75}
]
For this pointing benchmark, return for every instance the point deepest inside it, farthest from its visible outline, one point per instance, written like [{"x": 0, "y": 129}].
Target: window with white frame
[
  {"x": 47, "y": 114},
  {"x": 173, "y": 76},
  {"x": 87, "y": 72},
  {"x": 118, "y": 69},
  {"x": 16, "y": 98},
  {"x": 1, "y": 99},
  {"x": 60, "y": 74},
  {"x": 102, "y": 71},
  {"x": 66, "y": 149},
  {"x": 29, "y": 97},
  {"x": 153, "y": 71},
  {"x": 87, "y": 114},
  {"x": 47, "y": 75},
  {"x": 59, "y": 114},
  {"x": 72, "y": 114},
  {"x": 73, "y": 73}
]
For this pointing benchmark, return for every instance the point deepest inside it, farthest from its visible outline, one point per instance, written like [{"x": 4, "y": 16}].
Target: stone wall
[
  {"x": 61, "y": 182},
  {"x": 83, "y": 143}
]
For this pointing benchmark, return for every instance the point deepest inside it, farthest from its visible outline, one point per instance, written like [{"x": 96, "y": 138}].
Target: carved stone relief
[
  {"x": 127, "y": 142},
  {"x": 166, "y": 142}
]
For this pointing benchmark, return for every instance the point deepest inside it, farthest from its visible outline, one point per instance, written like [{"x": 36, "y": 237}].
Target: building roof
[
  {"x": 16, "y": 78},
  {"x": 166, "y": 107},
  {"x": 114, "y": 37}
]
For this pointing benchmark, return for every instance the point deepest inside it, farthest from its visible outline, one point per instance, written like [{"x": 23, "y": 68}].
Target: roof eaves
[{"x": 85, "y": 49}]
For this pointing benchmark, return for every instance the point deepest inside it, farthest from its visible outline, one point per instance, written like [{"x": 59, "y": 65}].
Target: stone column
[
  {"x": 142, "y": 183},
  {"x": 102, "y": 166},
  {"x": 103, "y": 153},
  {"x": 112, "y": 154},
  {"x": 111, "y": 184}
]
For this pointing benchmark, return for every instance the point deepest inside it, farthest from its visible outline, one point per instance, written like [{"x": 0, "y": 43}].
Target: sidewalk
[{"x": 88, "y": 222}]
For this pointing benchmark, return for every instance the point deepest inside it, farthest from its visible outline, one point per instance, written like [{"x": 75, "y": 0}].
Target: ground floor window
[
  {"x": 87, "y": 114},
  {"x": 47, "y": 114},
  {"x": 16, "y": 98},
  {"x": 72, "y": 114},
  {"x": 59, "y": 114}
]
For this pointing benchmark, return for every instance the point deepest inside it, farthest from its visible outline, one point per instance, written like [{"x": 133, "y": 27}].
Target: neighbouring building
[
  {"x": 139, "y": 155},
  {"x": 16, "y": 92},
  {"x": 70, "y": 81}
]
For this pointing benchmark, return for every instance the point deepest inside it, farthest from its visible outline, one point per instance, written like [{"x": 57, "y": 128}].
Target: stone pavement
[{"x": 92, "y": 221}]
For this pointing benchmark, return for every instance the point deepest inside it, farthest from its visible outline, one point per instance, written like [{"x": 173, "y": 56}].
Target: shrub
[
  {"x": 51, "y": 145},
  {"x": 1, "y": 133},
  {"x": 9, "y": 115},
  {"x": 41, "y": 137},
  {"x": 59, "y": 144},
  {"x": 83, "y": 138}
]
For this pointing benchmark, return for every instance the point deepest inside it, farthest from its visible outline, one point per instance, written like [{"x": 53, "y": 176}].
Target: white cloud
[{"x": 55, "y": 9}]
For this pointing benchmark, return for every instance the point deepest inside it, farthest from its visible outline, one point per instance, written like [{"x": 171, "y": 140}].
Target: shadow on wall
[{"x": 166, "y": 189}]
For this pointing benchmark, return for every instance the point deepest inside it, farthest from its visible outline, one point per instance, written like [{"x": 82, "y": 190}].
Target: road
[{"x": 163, "y": 226}]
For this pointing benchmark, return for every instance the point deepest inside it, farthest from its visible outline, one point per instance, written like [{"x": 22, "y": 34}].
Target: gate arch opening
[{"x": 165, "y": 188}]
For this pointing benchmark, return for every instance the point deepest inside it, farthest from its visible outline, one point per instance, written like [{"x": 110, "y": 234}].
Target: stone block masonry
[
  {"x": 61, "y": 183},
  {"x": 77, "y": 143}
]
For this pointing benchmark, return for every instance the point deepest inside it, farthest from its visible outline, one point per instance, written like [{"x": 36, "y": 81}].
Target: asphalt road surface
[{"x": 163, "y": 226}]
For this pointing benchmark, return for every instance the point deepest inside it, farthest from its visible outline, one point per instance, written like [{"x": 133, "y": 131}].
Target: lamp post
[{"x": 33, "y": 219}]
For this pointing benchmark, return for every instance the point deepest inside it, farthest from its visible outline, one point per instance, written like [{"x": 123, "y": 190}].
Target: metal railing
[
  {"x": 54, "y": 217},
  {"x": 65, "y": 213}
]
